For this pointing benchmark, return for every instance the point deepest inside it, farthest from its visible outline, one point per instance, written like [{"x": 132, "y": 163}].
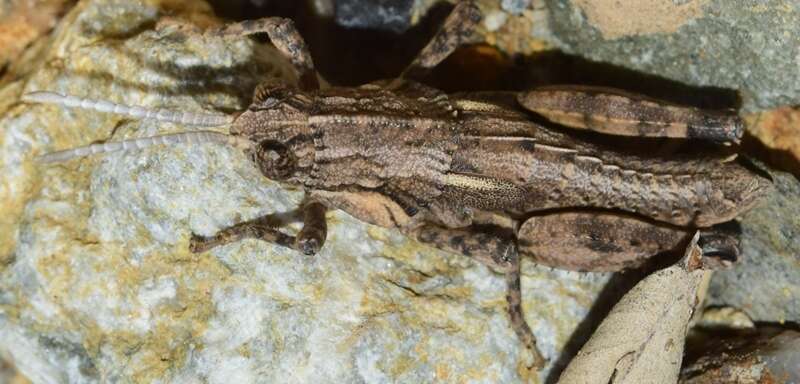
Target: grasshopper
[{"x": 470, "y": 173}]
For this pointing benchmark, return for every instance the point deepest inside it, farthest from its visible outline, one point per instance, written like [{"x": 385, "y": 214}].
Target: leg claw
[
  {"x": 309, "y": 246},
  {"x": 197, "y": 244}
]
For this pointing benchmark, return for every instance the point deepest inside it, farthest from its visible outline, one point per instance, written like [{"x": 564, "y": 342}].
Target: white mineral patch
[{"x": 493, "y": 21}]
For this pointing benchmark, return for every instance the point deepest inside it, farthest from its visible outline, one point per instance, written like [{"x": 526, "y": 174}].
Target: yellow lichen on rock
[
  {"x": 21, "y": 22},
  {"x": 778, "y": 129},
  {"x": 620, "y": 18}
]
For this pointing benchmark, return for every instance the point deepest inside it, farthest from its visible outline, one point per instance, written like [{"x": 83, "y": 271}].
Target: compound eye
[{"x": 275, "y": 160}]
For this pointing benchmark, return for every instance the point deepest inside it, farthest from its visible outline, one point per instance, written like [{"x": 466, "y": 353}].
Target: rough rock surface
[
  {"x": 22, "y": 22},
  {"x": 391, "y": 15},
  {"x": 751, "y": 46},
  {"x": 514, "y": 6},
  {"x": 766, "y": 283},
  {"x": 779, "y": 130},
  {"x": 97, "y": 284}
]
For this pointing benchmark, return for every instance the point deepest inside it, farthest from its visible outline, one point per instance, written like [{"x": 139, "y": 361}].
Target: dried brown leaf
[{"x": 642, "y": 338}]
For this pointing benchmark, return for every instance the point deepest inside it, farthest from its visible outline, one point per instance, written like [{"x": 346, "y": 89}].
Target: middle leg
[
  {"x": 285, "y": 38},
  {"x": 456, "y": 31},
  {"x": 497, "y": 248}
]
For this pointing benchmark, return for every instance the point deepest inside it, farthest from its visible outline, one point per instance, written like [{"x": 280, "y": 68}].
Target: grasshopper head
[{"x": 277, "y": 123}]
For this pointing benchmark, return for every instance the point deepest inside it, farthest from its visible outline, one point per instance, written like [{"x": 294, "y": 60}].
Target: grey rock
[
  {"x": 389, "y": 15},
  {"x": 750, "y": 46},
  {"x": 766, "y": 283},
  {"x": 515, "y": 6}
]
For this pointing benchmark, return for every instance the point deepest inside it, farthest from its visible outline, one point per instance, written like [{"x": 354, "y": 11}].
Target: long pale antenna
[
  {"x": 136, "y": 112},
  {"x": 144, "y": 142}
]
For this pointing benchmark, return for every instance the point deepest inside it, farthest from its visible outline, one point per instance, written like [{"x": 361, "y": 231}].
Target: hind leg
[{"x": 604, "y": 241}]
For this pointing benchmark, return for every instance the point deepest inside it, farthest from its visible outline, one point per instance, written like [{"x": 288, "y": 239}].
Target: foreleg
[
  {"x": 309, "y": 240},
  {"x": 285, "y": 38}
]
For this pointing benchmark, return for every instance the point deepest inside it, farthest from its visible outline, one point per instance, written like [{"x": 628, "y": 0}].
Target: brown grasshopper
[{"x": 471, "y": 173}]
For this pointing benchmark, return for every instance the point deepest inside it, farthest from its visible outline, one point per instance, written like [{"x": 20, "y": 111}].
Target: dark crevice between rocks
[
  {"x": 344, "y": 56},
  {"x": 718, "y": 354},
  {"x": 700, "y": 337}
]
